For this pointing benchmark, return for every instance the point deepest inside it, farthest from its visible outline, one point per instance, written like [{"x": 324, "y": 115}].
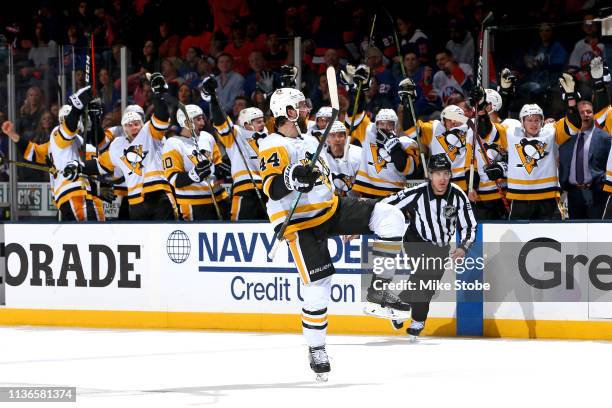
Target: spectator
[
  {"x": 230, "y": 82},
  {"x": 169, "y": 42},
  {"x": 384, "y": 77},
  {"x": 544, "y": 62},
  {"x": 184, "y": 94},
  {"x": 239, "y": 48},
  {"x": 82, "y": 17},
  {"x": 44, "y": 127},
  {"x": 148, "y": 61},
  {"x": 226, "y": 11},
  {"x": 189, "y": 68},
  {"x": 376, "y": 101},
  {"x": 320, "y": 95},
  {"x": 412, "y": 39},
  {"x": 582, "y": 167},
  {"x": 43, "y": 53},
  {"x": 588, "y": 47},
  {"x": 275, "y": 53},
  {"x": 106, "y": 90},
  {"x": 169, "y": 70},
  {"x": 30, "y": 112},
  {"x": 254, "y": 79},
  {"x": 254, "y": 37},
  {"x": 196, "y": 37},
  {"x": 240, "y": 103},
  {"x": 218, "y": 42},
  {"x": 461, "y": 43},
  {"x": 452, "y": 76}
]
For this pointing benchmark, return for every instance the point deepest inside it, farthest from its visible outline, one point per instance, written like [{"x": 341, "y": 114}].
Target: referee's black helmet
[{"x": 438, "y": 162}]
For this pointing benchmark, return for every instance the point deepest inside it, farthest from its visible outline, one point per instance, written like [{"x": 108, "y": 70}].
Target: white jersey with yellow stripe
[
  {"x": 234, "y": 138},
  {"x": 344, "y": 169},
  {"x": 376, "y": 176},
  {"x": 139, "y": 160},
  {"x": 487, "y": 188},
  {"x": 455, "y": 143},
  {"x": 532, "y": 162},
  {"x": 315, "y": 207},
  {"x": 64, "y": 147},
  {"x": 180, "y": 154}
]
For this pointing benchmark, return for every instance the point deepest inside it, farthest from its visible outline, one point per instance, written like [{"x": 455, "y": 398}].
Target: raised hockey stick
[
  {"x": 333, "y": 94},
  {"x": 409, "y": 103},
  {"x": 478, "y": 85},
  {"x": 356, "y": 103},
  {"x": 191, "y": 126}
]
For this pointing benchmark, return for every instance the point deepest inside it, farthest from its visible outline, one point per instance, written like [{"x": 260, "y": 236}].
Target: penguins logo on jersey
[
  {"x": 452, "y": 142},
  {"x": 492, "y": 150},
  {"x": 197, "y": 156},
  {"x": 530, "y": 152},
  {"x": 324, "y": 179},
  {"x": 133, "y": 157},
  {"x": 378, "y": 162},
  {"x": 343, "y": 183}
]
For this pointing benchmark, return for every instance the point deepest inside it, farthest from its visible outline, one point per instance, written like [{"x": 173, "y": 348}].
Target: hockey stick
[
  {"x": 333, "y": 94},
  {"x": 51, "y": 170},
  {"x": 410, "y": 102},
  {"x": 194, "y": 137}
]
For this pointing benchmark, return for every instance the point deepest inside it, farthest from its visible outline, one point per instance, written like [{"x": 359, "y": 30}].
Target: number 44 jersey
[{"x": 315, "y": 207}]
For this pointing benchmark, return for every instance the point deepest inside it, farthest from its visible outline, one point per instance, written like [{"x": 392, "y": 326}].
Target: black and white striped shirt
[{"x": 434, "y": 218}]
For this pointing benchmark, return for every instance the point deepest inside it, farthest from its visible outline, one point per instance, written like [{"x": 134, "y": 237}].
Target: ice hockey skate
[{"x": 319, "y": 362}]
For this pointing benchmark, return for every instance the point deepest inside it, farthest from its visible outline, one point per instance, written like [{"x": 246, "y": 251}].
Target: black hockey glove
[
  {"x": 201, "y": 171},
  {"x": 407, "y": 88},
  {"x": 158, "y": 83},
  {"x": 73, "y": 170},
  {"x": 507, "y": 83},
  {"x": 288, "y": 75},
  {"x": 223, "y": 170},
  {"x": 383, "y": 136},
  {"x": 300, "y": 178},
  {"x": 208, "y": 87},
  {"x": 96, "y": 111},
  {"x": 81, "y": 98},
  {"x": 495, "y": 171}
]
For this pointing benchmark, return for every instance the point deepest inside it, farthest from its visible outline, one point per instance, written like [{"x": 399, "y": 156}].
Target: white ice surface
[{"x": 151, "y": 368}]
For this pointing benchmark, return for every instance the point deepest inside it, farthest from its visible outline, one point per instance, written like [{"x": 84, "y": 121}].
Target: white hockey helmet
[
  {"x": 135, "y": 108},
  {"x": 284, "y": 98},
  {"x": 494, "y": 98},
  {"x": 192, "y": 110},
  {"x": 337, "y": 126},
  {"x": 386, "y": 114},
  {"x": 453, "y": 112},
  {"x": 129, "y": 117},
  {"x": 63, "y": 112},
  {"x": 530, "y": 109},
  {"x": 324, "y": 112},
  {"x": 247, "y": 115}
]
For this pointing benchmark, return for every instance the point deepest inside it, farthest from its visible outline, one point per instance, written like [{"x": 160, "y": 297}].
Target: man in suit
[{"x": 582, "y": 167}]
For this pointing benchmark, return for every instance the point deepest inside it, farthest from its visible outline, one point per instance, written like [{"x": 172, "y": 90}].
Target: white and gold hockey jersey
[
  {"x": 378, "y": 177},
  {"x": 532, "y": 161},
  {"x": 314, "y": 207},
  {"x": 456, "y": 144},
  {"x": 139, "y": 161},
  {"x": 344, "y": 170},
  {"x": 487, "y": 189},
  {"x": 180, "y": 154},
  {"x": 231, "y": 135}
]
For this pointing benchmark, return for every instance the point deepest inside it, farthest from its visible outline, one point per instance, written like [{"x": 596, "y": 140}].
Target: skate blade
[
  {"x": 413, "y": 339},
  {"x": 322, "y": 377},
  {"x": 375, "y": 310}
]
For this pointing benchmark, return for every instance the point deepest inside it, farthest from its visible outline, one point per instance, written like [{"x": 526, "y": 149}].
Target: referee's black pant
[{"x": 429, "y": 271}]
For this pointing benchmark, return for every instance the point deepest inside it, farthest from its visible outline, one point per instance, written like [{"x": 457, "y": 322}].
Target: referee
[{"x": 435, "y": 210}]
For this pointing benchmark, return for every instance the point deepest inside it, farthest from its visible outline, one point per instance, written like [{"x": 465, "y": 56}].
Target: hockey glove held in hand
[{"x": 300, "y": 178}]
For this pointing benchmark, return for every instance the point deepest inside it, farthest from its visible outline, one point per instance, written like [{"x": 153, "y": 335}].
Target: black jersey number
[{"x": 273, "y": 160}]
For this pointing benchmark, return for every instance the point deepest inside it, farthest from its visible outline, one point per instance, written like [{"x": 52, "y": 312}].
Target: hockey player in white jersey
[
  {"x": 344, "y": 161},
  {"x": 191, "y": 165},
  {"x": 138, "y": 157},
  {"x": 322, "y": 117},
  {"x": 284, "y": 163},
  {"x": 241, "y": 143}
]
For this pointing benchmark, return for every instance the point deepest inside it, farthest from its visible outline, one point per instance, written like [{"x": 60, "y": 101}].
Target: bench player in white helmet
[
  {"x": 191, "y": 165},
  {"x": 449, "y": 135},
  {"x": 533, "y": 151},
  {"x": 344, "y": 161},
  {"x": 322, "y": 117},
  {"x": 241, "y": 143},
  {"x": 138, "y": 157},
  {"x": 284, "y": 163}
]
